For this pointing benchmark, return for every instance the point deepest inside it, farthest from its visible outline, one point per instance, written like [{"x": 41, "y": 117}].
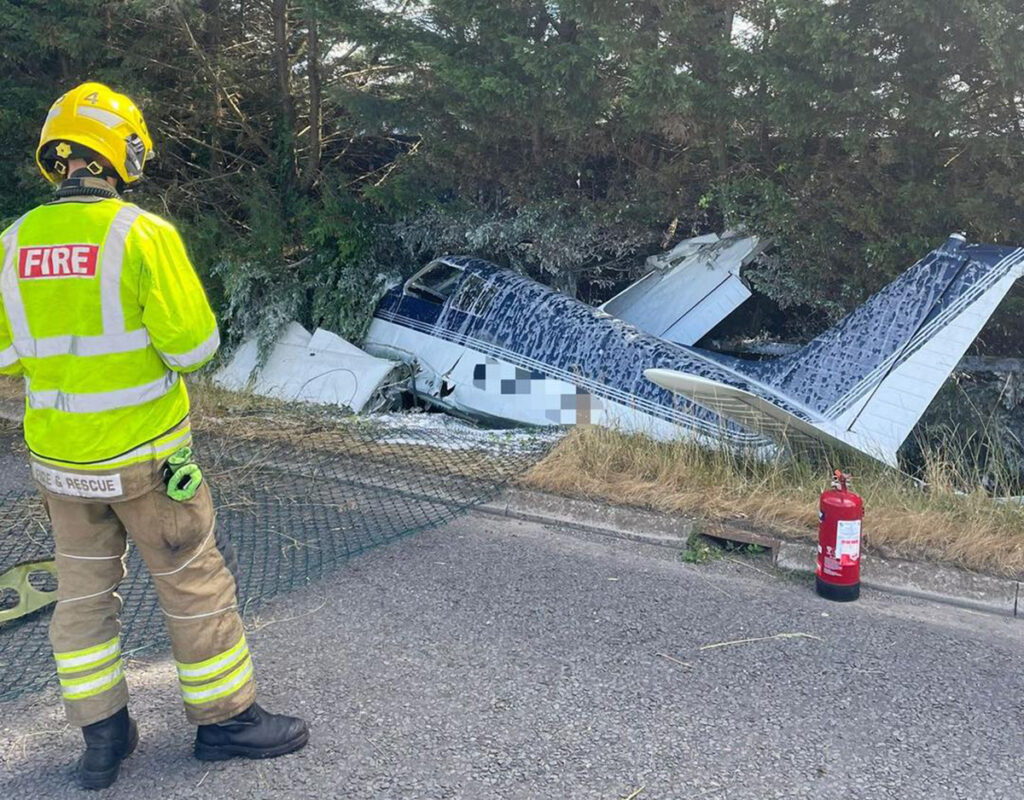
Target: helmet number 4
[{"x": 93, "y": 98}]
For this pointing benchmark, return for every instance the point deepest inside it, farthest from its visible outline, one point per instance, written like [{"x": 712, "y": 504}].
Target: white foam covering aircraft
[{"x": 489, "y": 343}]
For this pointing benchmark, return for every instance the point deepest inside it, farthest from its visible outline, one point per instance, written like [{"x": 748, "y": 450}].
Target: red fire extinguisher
[{"x": 839, "y": 536}]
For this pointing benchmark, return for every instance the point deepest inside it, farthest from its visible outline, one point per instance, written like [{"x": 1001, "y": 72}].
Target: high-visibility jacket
[{"x": 101, "y": 310}]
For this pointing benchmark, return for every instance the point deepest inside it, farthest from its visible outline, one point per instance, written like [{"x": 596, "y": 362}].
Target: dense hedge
[{"x": 315, "y": 149}]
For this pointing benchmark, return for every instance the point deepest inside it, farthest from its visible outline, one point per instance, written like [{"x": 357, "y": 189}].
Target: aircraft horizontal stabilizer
[{"x": 756, "y": 413}]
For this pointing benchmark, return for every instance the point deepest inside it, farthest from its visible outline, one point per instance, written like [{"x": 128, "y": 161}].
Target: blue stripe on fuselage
[{"x": 564, "y": 335}]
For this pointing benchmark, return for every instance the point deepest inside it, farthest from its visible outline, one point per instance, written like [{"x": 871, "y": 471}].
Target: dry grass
[{"x": 937, "y": 523}]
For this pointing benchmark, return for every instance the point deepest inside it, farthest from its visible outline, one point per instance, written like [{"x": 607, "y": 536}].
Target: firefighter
[{"x": 102, "y": 312}]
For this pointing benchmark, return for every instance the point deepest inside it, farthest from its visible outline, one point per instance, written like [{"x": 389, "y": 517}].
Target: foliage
[
  {"x": 313, "y": 149},
  {"x": 698, "y": 550},
  {"x": 546, "y": 240}
]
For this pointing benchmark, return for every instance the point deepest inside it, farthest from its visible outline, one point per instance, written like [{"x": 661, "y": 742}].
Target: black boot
[
  {"x": 252, "y": 734},
  {"x": 107, "y": 743}
]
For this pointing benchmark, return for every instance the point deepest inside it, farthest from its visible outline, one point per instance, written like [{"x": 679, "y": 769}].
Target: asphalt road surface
[{"x": 498, "y": 659}]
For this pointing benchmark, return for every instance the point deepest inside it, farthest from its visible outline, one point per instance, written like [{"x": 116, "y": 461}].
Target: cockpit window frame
[
  {"x": 412, "y": 287},
  {"x": 474, "y": 295}
]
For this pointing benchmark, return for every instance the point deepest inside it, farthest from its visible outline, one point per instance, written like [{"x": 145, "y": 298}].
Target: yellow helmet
[{"x": 94, "y": 117}]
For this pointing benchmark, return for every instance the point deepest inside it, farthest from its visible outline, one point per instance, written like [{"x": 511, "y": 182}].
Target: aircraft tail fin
[
  {"x": 866, "y": 381},
  {"x": 874, "y": 374}
]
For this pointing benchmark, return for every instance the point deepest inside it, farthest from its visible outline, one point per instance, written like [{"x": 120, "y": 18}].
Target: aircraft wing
[{"x": 689, "y": 290}]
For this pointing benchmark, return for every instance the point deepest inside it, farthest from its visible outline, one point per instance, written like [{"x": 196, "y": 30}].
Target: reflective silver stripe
[
  {"x": 71, "y": 345},
  {"x": 92, "y": 685},
  {"x": 158, "y": 448},
  {"x": 113, "y": 262},
  {"x": 53, "y": 113},
  {"x": 217, "y": 664},
  {"x": 108, "y": 118},
  {"x": 13, "y": 306},
  {"x": 221, "y": 688},
  {"x": 155, "y": 449},
  {"x": 95, "y": 402},
  {"x": 78, "y": 660},
  {"x": 8, "y": 356},
  {"x": 197, "y": 355}
]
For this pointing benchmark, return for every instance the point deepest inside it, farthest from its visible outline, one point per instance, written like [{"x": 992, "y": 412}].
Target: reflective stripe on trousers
[
  {"x": 92, "y": 685},
  {"x": 88, "y": 658},
  {"x": 90, "y": 672},
  {"x": 216, "y": 677}
]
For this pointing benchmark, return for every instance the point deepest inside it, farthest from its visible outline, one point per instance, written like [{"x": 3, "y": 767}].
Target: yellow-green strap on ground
[{"x": 30, "y": 599}]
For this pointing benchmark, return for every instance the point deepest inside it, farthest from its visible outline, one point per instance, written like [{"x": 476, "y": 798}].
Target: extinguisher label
[{"x": 848, "y": 540}]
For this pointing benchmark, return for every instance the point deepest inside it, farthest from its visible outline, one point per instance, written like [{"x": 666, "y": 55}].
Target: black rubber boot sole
[
  {"x": 101, "y": 779},
  {"x": 222, "y": 752}
]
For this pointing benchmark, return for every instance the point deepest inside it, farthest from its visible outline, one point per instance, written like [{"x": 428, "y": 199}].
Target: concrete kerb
[
  {"x": 1002, "y": 596},
  {"x": 928, "y": 581},
  {"x": 646, "y": 527}
]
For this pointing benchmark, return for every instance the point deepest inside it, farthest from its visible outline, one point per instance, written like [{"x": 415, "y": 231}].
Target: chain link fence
[{"x": 298, "y": 499}]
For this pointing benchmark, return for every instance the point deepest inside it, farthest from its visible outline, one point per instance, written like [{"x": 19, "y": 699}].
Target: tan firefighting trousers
[{"x": 195, "y": 589}]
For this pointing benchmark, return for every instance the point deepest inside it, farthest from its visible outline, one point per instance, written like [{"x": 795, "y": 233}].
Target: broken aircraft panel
[
  {"x": 690, "y": 289},
  {"x": 496, "y": 345},
  {"x": 315, "y": 368}
]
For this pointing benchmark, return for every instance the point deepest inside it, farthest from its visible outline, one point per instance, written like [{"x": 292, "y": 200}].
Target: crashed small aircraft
[{"x": 496, "y": 346}]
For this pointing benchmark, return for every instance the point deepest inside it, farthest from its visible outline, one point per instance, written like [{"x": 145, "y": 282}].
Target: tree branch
[{"x": 312, "y": 170}]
